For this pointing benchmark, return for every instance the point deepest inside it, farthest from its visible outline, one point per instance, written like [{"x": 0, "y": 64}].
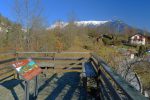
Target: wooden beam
[
  {"x": 53, "y": 52},
  {"x": 7, "y": 60}
]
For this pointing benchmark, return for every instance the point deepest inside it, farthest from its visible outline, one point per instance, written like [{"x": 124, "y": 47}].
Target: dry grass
[
  {"x": 109, "y": 54},
  {"x": 143, "y": 71}
]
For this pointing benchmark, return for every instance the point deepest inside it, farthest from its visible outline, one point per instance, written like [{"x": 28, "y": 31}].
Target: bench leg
[
  {"x": 98, "y": 88},
  {"x": 85, "y": 82},
  {"x": 46, "y": 71}
]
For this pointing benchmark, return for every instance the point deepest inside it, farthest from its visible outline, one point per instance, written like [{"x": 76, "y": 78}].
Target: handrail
[
  {"x": 51, "y": 58},
  {"x": 7, "y": 60},
  {"x": 35, "y": 52},
  {"x": 7, "y": 53},
  {"x": 53, "y": 52},
  {"x": 129, "y": 91}
]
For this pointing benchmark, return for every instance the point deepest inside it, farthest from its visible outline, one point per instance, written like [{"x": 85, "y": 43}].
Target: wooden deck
[
  {"x": 62, "y": 82},
  {"x": 62, "y": 86}
]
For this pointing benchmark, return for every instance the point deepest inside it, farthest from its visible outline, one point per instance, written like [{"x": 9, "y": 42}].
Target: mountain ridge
[
  {"x": 118, "y": 26},
  {"x": 62, "y": 24}
]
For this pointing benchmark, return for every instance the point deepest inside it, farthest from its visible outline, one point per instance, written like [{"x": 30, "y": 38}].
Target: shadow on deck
[{"x": 65, "y": 86}]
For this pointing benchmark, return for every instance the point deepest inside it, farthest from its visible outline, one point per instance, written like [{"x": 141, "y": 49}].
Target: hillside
[
  {"x": 9, "y": 34},
  {"x": 59, "y": 36}
]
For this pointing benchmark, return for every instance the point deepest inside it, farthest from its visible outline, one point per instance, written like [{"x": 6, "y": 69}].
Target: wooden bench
[
  {"x": 88, "y": 70},
  {"x": 46, "y": 66},
  {"x": 89, "y": 74}
]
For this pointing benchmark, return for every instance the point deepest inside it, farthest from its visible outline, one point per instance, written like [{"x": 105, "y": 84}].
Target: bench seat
[
  {"x": 46, "y": 64},
  {"x": 88, "y": 70}
]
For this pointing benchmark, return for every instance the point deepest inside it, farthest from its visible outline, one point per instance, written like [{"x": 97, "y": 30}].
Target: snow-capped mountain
[
  {"x": 58, "y": 24},
  {"x": 78, "y": 23},
  {"x": 85, "y": 23},
  {"x": 114, "y": 25}
]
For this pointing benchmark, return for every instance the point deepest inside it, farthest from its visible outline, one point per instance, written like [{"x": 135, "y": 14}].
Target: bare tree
[{"x": 29, "y": 15}]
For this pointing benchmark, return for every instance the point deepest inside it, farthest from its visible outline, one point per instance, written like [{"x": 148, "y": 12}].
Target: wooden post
[
  {"x": 54, "y": 63},
  {"x": 16, "y": 56},
  {"x": 36, "y": 87},
  {"x": 54, "y": 55},
  {"x": 26, "y": 90},
  {"x": 85, "y": 82}
]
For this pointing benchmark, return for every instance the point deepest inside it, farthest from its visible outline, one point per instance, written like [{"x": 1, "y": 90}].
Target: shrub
[{"x": 141, "y": 50}]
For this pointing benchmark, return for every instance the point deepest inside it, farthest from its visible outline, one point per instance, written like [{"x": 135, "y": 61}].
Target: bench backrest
[{"x": 94, "y": 63}]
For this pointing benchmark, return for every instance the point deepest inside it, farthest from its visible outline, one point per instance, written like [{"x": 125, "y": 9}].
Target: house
[
  {"x": 137, "y": 39},
  {"x": 148, "y": 39}
]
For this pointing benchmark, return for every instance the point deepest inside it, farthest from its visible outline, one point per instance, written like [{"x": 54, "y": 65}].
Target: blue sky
[{"x": 133, "y": 12}]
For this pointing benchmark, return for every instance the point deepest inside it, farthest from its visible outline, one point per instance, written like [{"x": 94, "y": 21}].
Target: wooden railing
[
  {"x": 112, "y": 86},
  {"x": 7, "y": 72}
]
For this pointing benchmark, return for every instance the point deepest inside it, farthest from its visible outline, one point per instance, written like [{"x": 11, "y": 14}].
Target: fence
[
  {"x": 7, "y": 72},
  {"x": 112, "y": 85}
]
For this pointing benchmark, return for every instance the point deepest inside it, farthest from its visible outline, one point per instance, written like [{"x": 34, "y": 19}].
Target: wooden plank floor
[
  {"x": 62, "y": 86},
  {"x": 65, "y": 85}
]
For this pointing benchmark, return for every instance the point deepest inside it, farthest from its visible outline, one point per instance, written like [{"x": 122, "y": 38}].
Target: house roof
[{"x": 138, "y": 34}]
